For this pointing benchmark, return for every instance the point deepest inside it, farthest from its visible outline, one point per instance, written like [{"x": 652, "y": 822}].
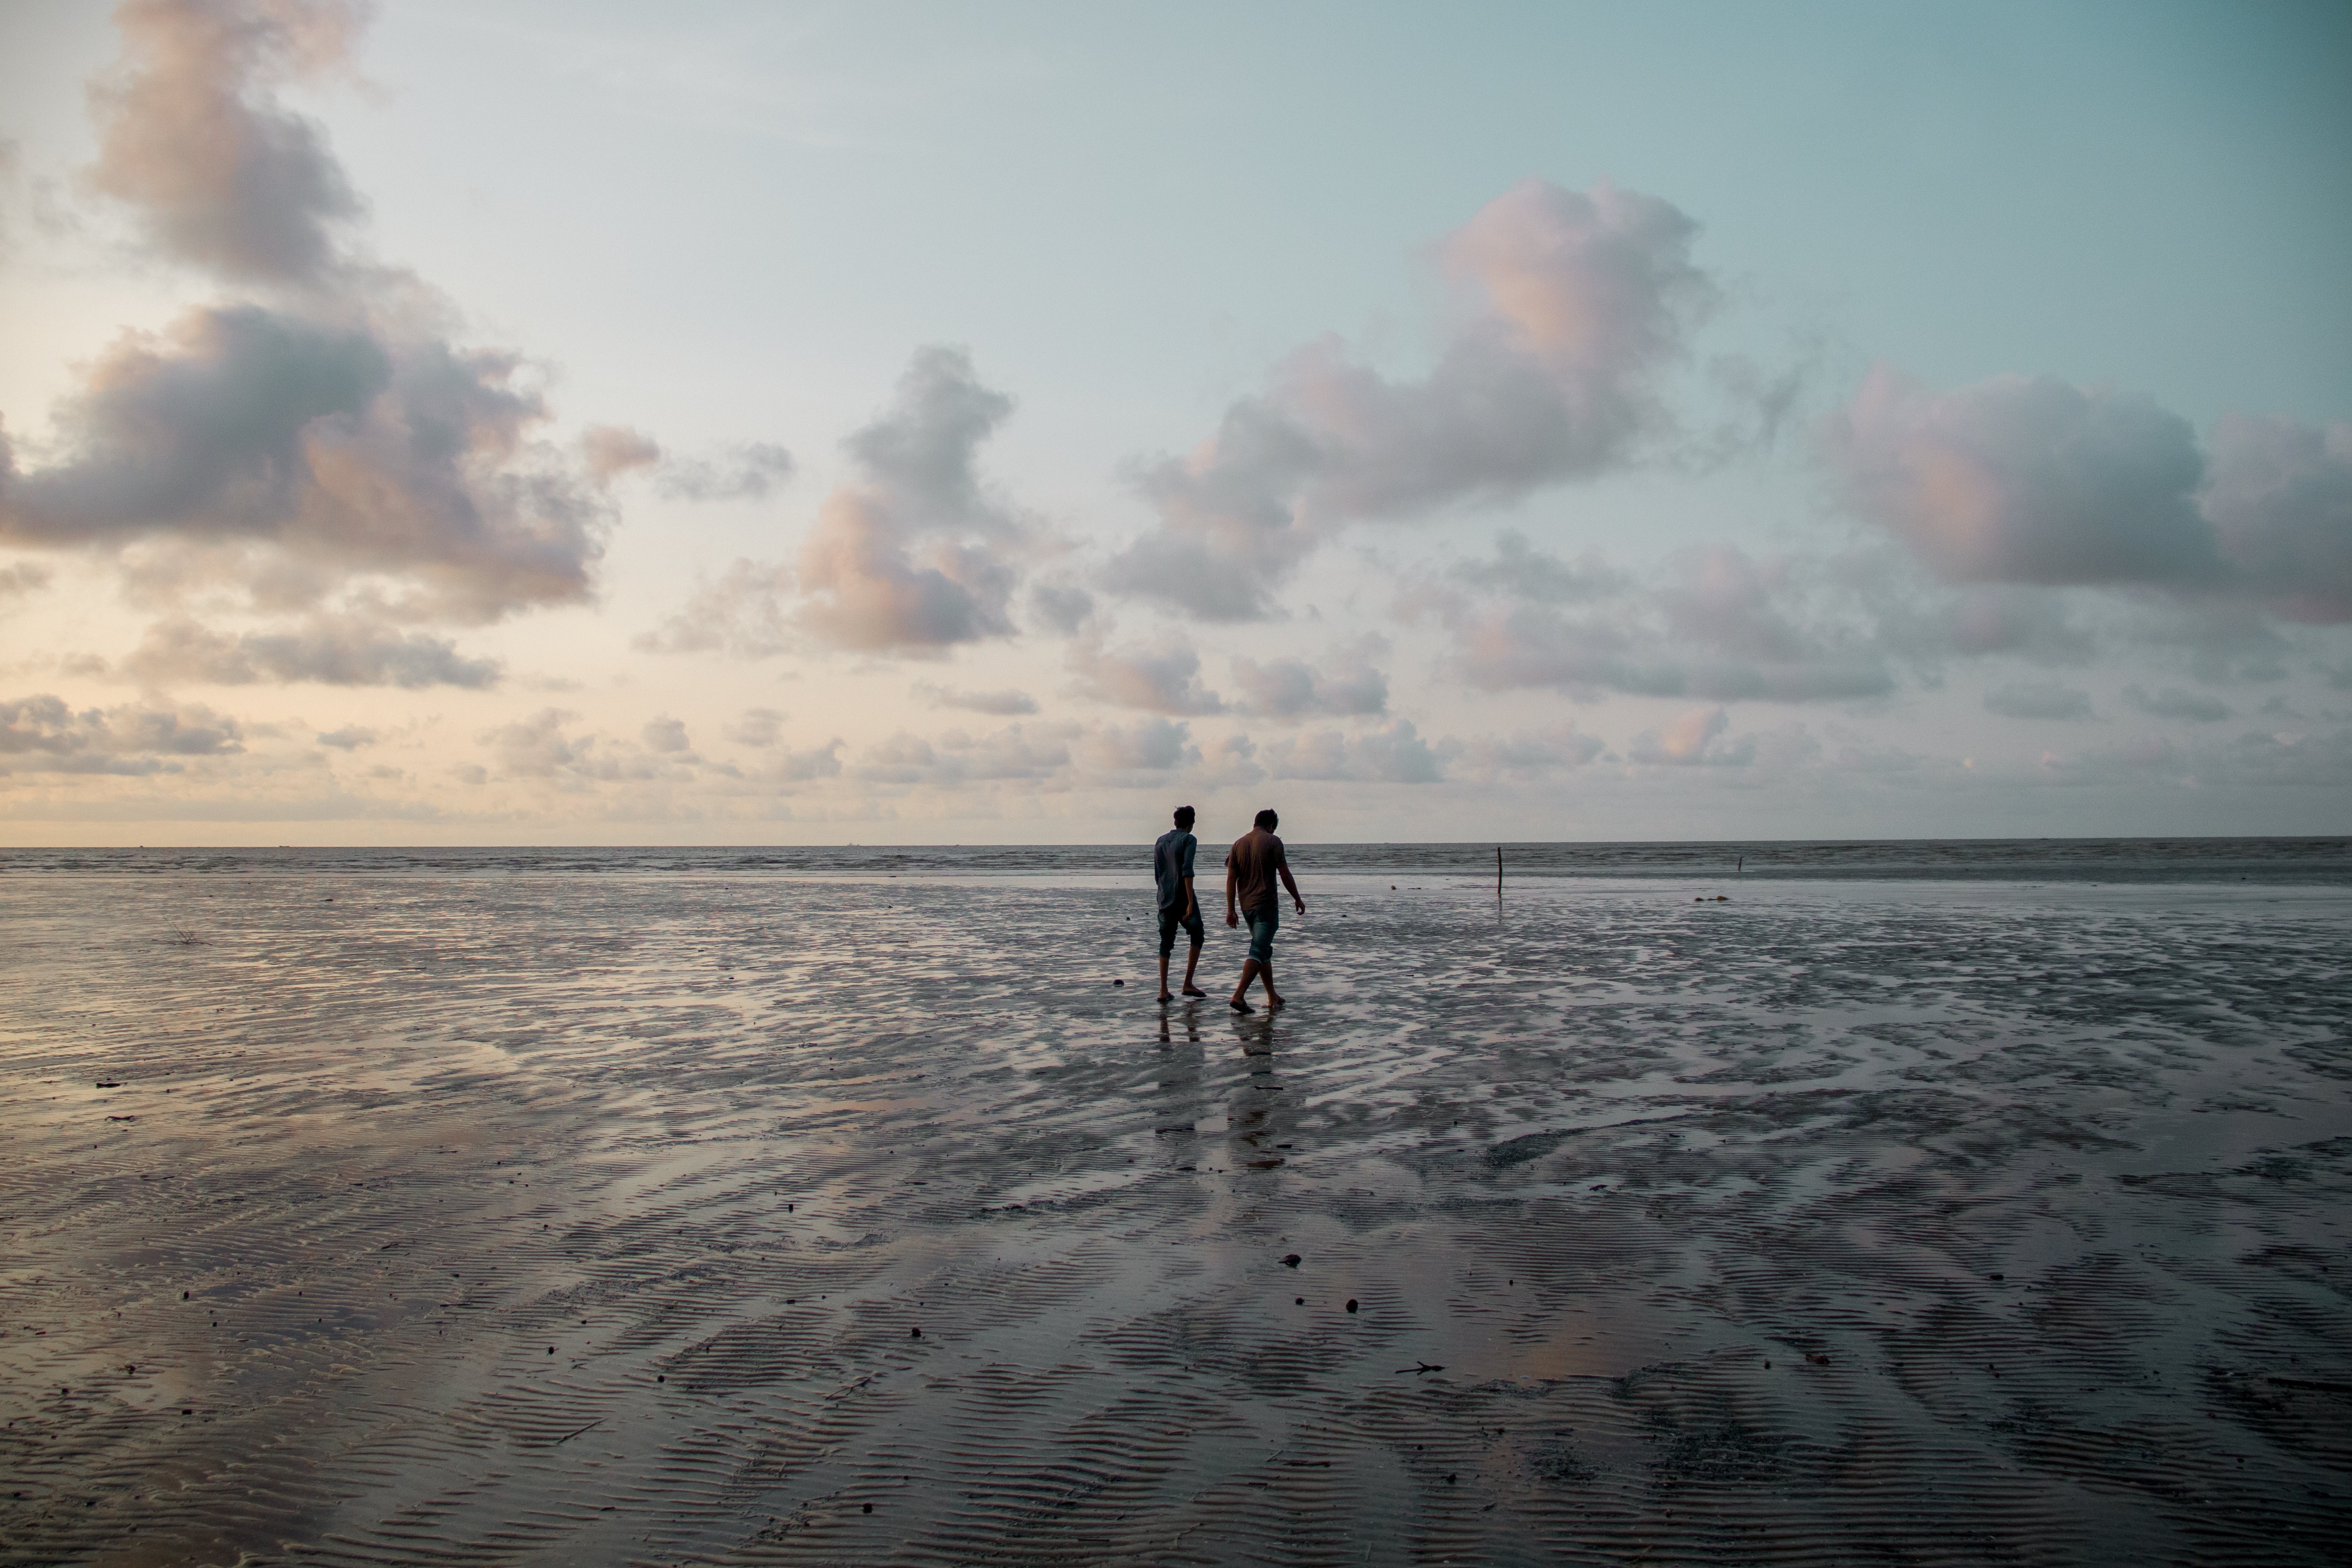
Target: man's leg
[
  {"x": 1238, "y": 1002},
  {"x": 1265, "y": 972},
  {"x": 1191, "y": 963},
  {"x": 1163, "y": 972}
]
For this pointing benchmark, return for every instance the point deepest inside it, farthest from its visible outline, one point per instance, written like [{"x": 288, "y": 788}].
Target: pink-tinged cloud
[
  {"x": 2026, "y": 480},
  {"x": 193, "y": 139},
  {"x": 325, "y": 439},
  {"x": 1161, "y": 679},
  {"x": 1577, "y": 301},
  {"x": 1693, "y": 740},
  {"x": 331, "y": 445},
  {"x": 2030, "y": 480},
  {"x": 916, "y": 556}
]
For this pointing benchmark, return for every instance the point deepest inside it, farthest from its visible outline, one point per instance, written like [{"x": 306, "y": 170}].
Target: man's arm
[
  {"x": 1192, "y": 904},
  {"x": 1231, "y": 918},
  {"x": 1295, "y": 901}
]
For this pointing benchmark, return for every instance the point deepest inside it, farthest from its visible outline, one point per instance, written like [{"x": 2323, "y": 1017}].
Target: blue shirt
[{"x": 1172, "y": 862}]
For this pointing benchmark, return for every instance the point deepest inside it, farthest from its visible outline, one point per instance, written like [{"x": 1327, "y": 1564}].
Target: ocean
[{"x": 1933, "y": 1201}]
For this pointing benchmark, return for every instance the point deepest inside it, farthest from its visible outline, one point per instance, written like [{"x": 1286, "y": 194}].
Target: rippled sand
[{"x": 645, "y": 1218}]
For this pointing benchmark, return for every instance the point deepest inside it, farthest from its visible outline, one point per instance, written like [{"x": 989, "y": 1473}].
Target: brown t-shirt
[{"x": 1253, "y": 859}]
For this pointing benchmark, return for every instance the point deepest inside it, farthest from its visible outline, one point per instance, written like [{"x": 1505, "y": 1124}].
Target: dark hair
[
  {"x": 1267, "y": 820},
  {"x": 1184, "y": 817}
]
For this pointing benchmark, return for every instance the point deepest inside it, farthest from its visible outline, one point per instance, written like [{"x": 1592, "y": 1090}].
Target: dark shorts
[
  {"x": 1170, "y": 919},
  {"x": 1263, "y": 924}
]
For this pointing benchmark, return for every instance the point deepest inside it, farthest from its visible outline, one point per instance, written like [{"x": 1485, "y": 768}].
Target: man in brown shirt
[{"x": 1251, "y": 866}]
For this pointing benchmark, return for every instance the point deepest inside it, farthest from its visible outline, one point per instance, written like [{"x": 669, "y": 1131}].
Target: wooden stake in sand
[{"x": 1498, "y": 873}]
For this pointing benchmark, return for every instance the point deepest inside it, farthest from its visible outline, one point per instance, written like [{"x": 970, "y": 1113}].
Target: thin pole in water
[{"x": 1498, "y": 873}]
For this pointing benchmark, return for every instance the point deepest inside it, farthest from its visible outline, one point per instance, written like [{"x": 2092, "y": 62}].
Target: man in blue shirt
[{"x": 1171, "y": 874}]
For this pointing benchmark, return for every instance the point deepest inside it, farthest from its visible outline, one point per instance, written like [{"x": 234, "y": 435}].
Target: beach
[{"x": 547, "y": 1209}]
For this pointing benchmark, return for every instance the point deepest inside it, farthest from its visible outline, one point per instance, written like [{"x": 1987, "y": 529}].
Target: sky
[{"x": 770, "y": 423}]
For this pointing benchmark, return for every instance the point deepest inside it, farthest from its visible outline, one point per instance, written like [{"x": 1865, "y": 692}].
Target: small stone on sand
[
  {"x": 1351, "y": 1303},
  {"x": 1290, "y": 1260}
]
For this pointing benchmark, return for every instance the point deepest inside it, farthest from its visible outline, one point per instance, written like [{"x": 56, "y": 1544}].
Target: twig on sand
[
  {"x": 1421, "y": 1366},
  {"x": 576, "y": 1431},
  {"x": 184, "y": 936}
]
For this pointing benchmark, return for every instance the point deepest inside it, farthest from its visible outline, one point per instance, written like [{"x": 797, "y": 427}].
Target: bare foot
[
  {"x": 1165, "y": 998},
  {"x": 1238, "y": 1006},
  {"x": 1276, "y": 1002},
  {"x": 1194, "y": 990}
]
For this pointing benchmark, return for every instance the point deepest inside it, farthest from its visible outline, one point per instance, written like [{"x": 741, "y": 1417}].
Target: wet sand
[{"x": 642, "y": 1218}]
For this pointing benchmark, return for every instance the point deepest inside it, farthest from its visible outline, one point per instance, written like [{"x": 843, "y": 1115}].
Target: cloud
[
  {"x": 744, "y": 613},
  {"x": 350, "y": 738},
  {"x": 2026, "y": 480},
  {"x": 2280, "y": 499},
  {"x": 2032, "y": 481},
  {"x": 912, "y": 557},
  {"x": 327, "y": 437},
  {"x": 192, "y": 138},
  {"x": 539, "y": 748},
  {"x": 1521, "y": 571},
  {"x": 1290, "y": 689},
  {"x": 751, "y": 471},
  {"x": 1719, "y": 626},
  {"x": 1579, "y": 299},
  {"x": 41, "y": 734},
  {"x": 758, "y": 727},
  {"x": 1394, "y": 754},
  {"x": 746, "y": 472},
  {"x": 1060, "y": 607},
  {"x": 1693, "y": 740},
  {"x": 1165, "y": 679},
  {"x": 2038, "y": 700},
  {"x": 2282, "y": 760},
  {"x": 2030, "y": 623},
  {"x": 23, "y": 577},
  {"x": 798, "y": 767},
  {"x": 1008, "y": 703},
  {"x": 1525, "y": 754},
  {"x": 328, "y": 649},
  {"x": 1150, "y": 745},
  {"x": 1015, "y": 753},
  {"x": 340, "y": 449},
  {"x": 611, "y": 450},
  {"x": 1229, "y": 759},
  {"x": 2172, "y": 702},
  {"x": 665, "y": 735}
]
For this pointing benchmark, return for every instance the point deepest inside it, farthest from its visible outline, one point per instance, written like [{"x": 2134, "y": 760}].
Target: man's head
[
  {"x": 1267, "y": 820},
  {"x": 1185, "y": 818}
]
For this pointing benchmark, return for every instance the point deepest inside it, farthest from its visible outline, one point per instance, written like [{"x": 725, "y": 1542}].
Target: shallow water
[{"x": 530, "y": 1215}]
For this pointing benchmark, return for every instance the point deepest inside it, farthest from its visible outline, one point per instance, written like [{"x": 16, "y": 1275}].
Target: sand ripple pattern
[{"x": 500, "y": 1218}]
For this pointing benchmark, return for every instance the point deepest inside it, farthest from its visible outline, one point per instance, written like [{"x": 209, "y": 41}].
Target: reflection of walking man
[
  {"x": 1256, "y": 859},
  {"x": 1172, "y": 873}
]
